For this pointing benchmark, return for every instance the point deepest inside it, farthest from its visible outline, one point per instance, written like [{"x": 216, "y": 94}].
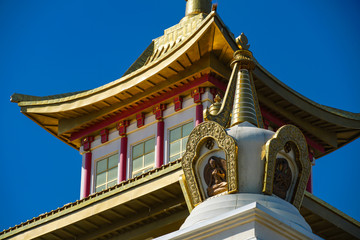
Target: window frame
[
  {"x": 107, "y": 157},
  {"x": 182, "y": 137},
  {"x": 144, "y": 168}
]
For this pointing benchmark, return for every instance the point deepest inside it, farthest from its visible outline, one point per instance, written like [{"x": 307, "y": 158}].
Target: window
[
  {"x": 178, "y": 140},
  {"x": 143, "y": 157},
  {"x": 106, "y": 172}
]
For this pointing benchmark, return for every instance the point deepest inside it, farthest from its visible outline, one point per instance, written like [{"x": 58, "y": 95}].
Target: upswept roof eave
[
  {"x": 66, "y": 98},
  {"x": 315, "y": 107},
  {"x": 23, "y": 98},
  {"x": 61, "y": 138},
  {"x": 93, "y": 198}
]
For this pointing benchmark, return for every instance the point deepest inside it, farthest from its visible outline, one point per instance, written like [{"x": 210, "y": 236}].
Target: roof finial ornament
[
  {"x": 194, "y": 7},
  {"x": 242, "y": 42},
  {"x": 240, "y": 102},
  {"x": 214, "y": 7},
  {"x": 215, "y": 107}
]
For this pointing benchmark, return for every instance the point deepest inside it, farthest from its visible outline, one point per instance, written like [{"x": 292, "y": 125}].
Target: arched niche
[
  {"x": 288, "y": 143},
  {"x": 208, "y": 139}
]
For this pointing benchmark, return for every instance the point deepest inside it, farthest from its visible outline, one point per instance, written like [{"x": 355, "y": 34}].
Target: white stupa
[{"x": 254, "y": 186}]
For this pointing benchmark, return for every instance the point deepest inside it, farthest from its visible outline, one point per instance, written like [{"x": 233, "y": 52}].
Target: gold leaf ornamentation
[
  {"x": 199, "y": 137},
  {"x": 285, "y": 136},
  {"x": 243, "y": 59},
  {"x": 242, "y": 42}
]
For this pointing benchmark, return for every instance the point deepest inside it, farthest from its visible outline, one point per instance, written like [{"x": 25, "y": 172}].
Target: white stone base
[{"x": 252, "y": 221}]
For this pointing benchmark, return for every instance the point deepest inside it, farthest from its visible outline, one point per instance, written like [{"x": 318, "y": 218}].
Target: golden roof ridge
[{"x": 122, "y": 79}]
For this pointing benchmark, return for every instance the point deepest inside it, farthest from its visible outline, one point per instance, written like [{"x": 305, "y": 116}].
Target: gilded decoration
[
  {"x": 244, "y": 104},
  {"x": 257, "y": 105},
  {"x": 215, "y": 107},
  {"x": 219, "y": 171},
  {"x": 286, "y": 136},
  {"x": 242, "y": 60},
  {"x": 242, "y": 42}
]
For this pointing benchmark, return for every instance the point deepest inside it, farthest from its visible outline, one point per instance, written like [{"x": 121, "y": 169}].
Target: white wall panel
[{"x": 136, "y": 135}]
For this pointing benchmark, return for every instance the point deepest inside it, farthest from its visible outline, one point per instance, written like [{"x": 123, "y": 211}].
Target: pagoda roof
[{"x": 196, "y": 47}]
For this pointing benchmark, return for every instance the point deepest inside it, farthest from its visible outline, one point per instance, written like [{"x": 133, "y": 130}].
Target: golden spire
[
  {"x": 240, "y": 98},
  {"x": 244, "y": 106},
  {"x": 197, "y": 6}
]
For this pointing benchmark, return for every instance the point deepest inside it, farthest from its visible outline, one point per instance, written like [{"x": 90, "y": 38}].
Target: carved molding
[
  {"x": 199, "y": 137},
  {"x": 285, "y": 135}
]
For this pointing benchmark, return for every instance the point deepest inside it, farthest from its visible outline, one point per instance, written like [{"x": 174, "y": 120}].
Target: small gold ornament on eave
[{"x": 242, "y": 42}]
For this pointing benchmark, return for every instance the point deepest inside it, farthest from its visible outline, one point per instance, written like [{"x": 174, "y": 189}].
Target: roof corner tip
[{"x": 14, "y": 98}]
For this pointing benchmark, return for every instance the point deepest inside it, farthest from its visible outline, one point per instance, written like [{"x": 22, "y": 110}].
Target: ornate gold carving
[
  {"x": 185, "y": 190},
  {"x": 288, "y": 134},
  {"x": 287, "y": 147},
  {"x": 242, "y": 42},
  {"x": 215, "y": 107},
  {"x": 197, "y": 138},
  {"x": 209, "y": 144}
]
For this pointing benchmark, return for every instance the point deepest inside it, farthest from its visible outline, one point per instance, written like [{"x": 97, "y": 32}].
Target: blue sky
[{"x": 52, "y": 47}]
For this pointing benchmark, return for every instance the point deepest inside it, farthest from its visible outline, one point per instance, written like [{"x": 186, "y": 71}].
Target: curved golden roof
[{"x": 195, "y": 46}]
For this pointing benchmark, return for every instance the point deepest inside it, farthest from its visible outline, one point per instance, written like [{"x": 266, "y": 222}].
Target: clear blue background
[{"x": 52, "y": 47}]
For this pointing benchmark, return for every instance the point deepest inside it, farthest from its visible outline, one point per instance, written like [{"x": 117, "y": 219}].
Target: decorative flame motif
[{"x": 242, "y": 42}]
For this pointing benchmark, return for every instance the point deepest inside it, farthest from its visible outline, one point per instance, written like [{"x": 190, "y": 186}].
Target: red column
[
  {"x": 199, "y": 114},
  {"x": 87, "y": 174},
  {"x": 160, "y": 144},
  {"x": 158, "y": 111},
  {"x": 196, "y": 94},
  {"x": 121, "y": 126},
  {"x": 123, "y": 159},
  {"x": 86, "y": 143}
]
